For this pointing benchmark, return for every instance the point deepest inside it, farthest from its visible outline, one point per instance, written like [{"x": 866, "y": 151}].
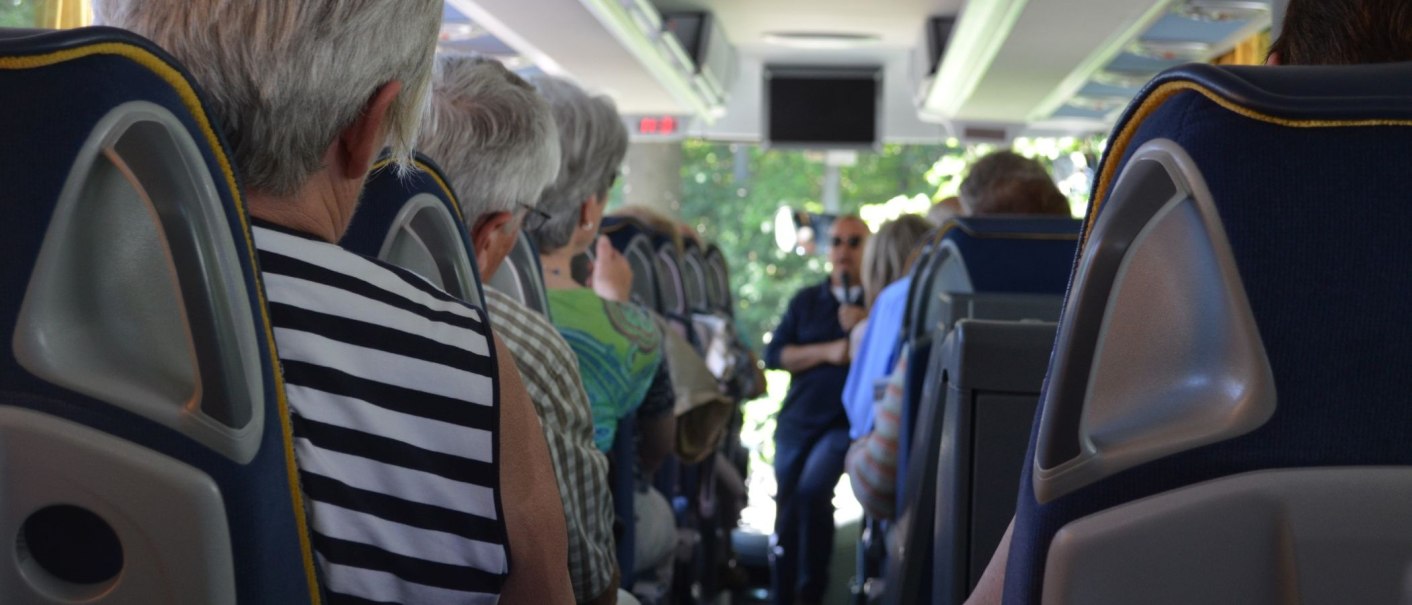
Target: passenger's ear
[
  {"x": 362, "y": 139},
  {"x": 1273, "y": 59},
  {"x": 584, "y": 211},
  {"x": 488, "y": 235},
  {"x": 586, "y": 214}
]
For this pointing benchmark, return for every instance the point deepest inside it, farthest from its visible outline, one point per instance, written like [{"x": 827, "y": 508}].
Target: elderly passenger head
[
  {"x": 592, "y": 143},
  {"x": 1005, "y": 182},
  {"x": 302, "y": 88},
  {"x": 890, "y": 252},
  {"x": 496, "y": 140}
]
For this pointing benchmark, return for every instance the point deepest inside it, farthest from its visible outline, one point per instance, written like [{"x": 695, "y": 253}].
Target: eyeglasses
[
  {"x": 853, "y": 242},
  {"x": 534, "y": 218}
]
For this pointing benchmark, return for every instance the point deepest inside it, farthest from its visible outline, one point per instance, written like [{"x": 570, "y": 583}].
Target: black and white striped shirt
[{"x": 393, "y": 401}]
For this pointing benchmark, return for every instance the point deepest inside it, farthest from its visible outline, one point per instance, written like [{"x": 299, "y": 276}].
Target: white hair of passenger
[
  {"x": 285, "y": 77},
  {"x": 491, "y": 133},
  {"x": 592, "y": 144}
]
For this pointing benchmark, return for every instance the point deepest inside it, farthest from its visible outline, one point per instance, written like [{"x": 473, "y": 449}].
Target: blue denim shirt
[
  {"x": 876, "y": 355},
  {"x": 814, "y": 402}
]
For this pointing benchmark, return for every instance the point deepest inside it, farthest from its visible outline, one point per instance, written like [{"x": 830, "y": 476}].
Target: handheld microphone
[{"x": 848, "y": 297}]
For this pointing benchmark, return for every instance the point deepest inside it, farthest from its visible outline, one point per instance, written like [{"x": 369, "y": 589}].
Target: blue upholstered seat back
[
  {"x": 990, "y": 255},
  {"x": 978, "y": 255},
  {"x": 695, "y": 277},
  {"x": 1307, "y": 168},
  {"x": 419, "y": 202},
  {"x": 671, "y": 278},
  {"x": 1016, "y": 254},
  {"x": 718, "y": 281},
  {"x": 57, "y": 89},
  {"x": 632, "y": 240}
]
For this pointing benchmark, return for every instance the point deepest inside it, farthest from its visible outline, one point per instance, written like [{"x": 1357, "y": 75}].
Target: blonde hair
[
  {"x": 655, "y": 220},
  {"x": 888, "y": 254}
]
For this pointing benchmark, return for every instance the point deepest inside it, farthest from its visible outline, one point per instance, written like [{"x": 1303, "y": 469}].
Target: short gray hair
[
  {"x": 284, "y": 78},
  {"x": 592, "y": 144},
  {"x": 491, "y": 133}
]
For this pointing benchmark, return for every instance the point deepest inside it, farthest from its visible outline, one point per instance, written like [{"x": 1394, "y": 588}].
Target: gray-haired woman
[{"x": 619, "y": 346}]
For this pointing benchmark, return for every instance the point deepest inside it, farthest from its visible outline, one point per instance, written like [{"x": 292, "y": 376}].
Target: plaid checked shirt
[{"x": 551, "y": 375}]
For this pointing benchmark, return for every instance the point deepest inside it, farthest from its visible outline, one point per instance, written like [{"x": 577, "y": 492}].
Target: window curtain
[
  {"x": 1251, "y": 51},
  {"x": 63, "y": 14}
]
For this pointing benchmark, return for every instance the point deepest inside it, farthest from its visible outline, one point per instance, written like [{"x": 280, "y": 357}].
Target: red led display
[{"x": 664, "y": 125}]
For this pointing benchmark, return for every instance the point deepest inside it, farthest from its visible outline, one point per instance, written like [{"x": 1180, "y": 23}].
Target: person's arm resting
[
  {"x": 798, "y": 358},
  {"x": 534, "y": 514}
]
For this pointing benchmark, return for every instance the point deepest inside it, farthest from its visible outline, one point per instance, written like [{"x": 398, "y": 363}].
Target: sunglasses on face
[
  {"x": 853, "y": 242},
  {"x": 534, "y": 218}
]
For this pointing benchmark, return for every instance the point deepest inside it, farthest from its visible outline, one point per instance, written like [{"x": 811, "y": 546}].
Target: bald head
[{"x": 846, "y": 239}]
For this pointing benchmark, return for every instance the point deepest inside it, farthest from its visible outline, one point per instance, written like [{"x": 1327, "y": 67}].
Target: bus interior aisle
[{"x": 797, "y": 302}]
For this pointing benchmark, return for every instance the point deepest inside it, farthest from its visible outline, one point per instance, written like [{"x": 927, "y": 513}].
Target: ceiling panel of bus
[
  {"x": 1035, "y": 69},
  {"x": 1034, "y": 76},
  {"x": 897, "y": 23},
  {"x": 896, "y": 26},
  {"x": 1038, "y": 66},
  {"x": 563, "y": 37}
]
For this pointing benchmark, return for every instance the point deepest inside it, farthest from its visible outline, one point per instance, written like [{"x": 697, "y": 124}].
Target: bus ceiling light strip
[
  {"x": 1121, "y": 79},
  {"x": 980, "y": 33},
  {"x": 638, "y": 25},
  {"x": 1255, "y": 14},
  {"x": 1171, "y": 50},
  {"x": 1095, "y": 62},
  {"x": 822, "y": 40},
  {"x": 1224, "y": 10},
  {"x": 484, "y": 19},
  {"x": 1099, "y": 104}
]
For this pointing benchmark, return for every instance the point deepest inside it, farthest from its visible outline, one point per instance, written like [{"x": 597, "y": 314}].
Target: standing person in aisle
[{"x": 811, "y": 438}]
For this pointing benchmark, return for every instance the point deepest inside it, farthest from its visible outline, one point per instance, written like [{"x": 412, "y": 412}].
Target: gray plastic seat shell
[
  {"x": 1164, "y": 255},
  {"x": 168, "y": 516},
  {"x": 139, "y": 229},
  {"x": 424, "y": 239},
  {"x": 996, "y": 370},
  {"x": 1322, "y": 536}
]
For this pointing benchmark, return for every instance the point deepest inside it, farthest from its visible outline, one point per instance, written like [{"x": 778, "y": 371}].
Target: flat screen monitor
[{"x": 818, "y": 107}]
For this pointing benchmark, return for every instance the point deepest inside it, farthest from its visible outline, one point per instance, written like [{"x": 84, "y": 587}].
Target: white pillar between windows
[{"x": 652, "y": 176}]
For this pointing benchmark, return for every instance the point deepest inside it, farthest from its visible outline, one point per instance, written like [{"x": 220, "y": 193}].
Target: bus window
[{"x": 46, "y": 14}]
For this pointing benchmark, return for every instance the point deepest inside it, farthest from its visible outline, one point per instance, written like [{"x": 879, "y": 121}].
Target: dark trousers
[{"x": 807, "y": 468}]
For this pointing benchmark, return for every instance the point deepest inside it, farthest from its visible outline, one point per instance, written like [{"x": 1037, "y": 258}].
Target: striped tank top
[{"x": 394, "y": 408}]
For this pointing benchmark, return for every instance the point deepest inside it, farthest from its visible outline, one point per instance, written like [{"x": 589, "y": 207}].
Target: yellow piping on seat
[
  {"x": 1166, "y": 91},
  {"x": 189, "y": 98}
]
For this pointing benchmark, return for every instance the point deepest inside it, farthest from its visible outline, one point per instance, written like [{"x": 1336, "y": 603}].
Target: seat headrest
[
  {"x": 1304, "y": 92},
  {"x": 8, "y": 35},
  {"x": 414, "y": 221},
  {"x": 1299, "y": 96},
  {"x": 1008, "y": 254},
  {"x": 1304, "y": 254},
  {"x": 20, "y": 41},
  {"x": 623, "y": 231},
  {"x": 131, "y": 306}
]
